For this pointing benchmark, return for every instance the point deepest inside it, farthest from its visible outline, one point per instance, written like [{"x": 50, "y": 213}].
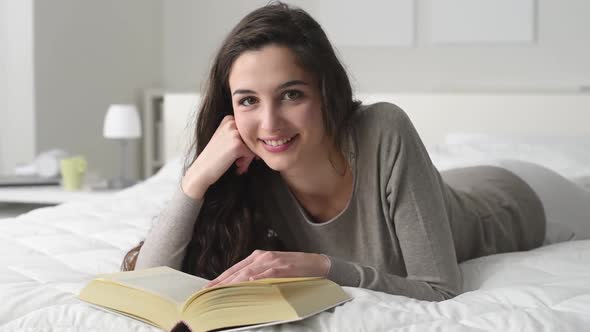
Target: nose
[{"x": 270, "y": 117}]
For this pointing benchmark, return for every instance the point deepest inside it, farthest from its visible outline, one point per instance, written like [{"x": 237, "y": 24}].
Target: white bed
[{"x": 47, "y": 255}]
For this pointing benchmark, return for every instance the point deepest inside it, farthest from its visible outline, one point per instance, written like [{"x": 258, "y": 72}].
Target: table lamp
[{"x": 122, "y": 123}]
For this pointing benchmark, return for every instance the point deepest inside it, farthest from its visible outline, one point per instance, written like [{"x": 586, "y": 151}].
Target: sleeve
[
  {"x": 167, "y": 240},
  {"x": 414, "y": 192}
]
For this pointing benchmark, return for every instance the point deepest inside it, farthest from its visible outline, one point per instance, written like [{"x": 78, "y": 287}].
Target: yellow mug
[{"x": 72, "y": 172}]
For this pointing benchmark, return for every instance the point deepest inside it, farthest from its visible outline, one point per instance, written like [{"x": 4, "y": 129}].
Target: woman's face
[{"x": 277, "y": 108}]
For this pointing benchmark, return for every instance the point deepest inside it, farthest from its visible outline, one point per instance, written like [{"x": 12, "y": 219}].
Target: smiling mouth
[{"x": 275, "y": 143}]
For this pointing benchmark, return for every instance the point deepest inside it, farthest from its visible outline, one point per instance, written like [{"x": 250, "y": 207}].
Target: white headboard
[
  {"x": 179, "y": 116},
  {"x": 434, "y": 115}
]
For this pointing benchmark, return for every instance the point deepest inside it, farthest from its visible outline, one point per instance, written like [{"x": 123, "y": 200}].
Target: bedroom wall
[
  {"x": 89, "y": 54},
  {"x": 73, "y": 58},
  {"x": 62, "y": 62},
  {"x": 17, "y": 118},
  {"x": 559, "y": 60}
]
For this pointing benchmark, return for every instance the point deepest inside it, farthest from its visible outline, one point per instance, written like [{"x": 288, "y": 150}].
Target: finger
[
  {"x": 225, "y": 276},
  {"x": 223, "y": 124},
  {"x": 227, "y": 118},
  {"x": 238, "y": 277},
  {"x": 246, "y": 157},
  {"x": 236, "y": 267},
  {"x": 243, "y": 163},
  {"x": 258, "y": 266},
  {"x": 242, "y": 275},
  {"x": 248, "y": 272},
  {"x": 227, "y": 122},
  {"x": 273, "y": 272}
]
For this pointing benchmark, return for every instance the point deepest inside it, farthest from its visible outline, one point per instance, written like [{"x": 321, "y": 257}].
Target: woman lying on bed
[{"x": 292, "y": 177}]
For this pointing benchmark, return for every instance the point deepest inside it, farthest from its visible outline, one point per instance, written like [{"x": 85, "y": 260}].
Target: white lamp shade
[{"x": 122, "y": 121}]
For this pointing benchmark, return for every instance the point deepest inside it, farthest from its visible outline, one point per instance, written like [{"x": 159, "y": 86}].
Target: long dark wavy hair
[{"x": 229, "y": 225}]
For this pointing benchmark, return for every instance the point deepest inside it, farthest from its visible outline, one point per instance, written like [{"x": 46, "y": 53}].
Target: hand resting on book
[{"x": 274, "y": 264}]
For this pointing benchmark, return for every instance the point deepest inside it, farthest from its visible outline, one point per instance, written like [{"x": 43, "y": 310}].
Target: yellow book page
[
  {"x": 152, "y": 295},
  {"x": 283, "y": 280},
  {"x": 313, "y": 297},
  {"x": 238, "y": 306},
  {"x": 267, "y": 302},
  {"x": 268, "y": 282},
  {"x": 171, "y": 284},
  {"x": 150, "y": 308}
]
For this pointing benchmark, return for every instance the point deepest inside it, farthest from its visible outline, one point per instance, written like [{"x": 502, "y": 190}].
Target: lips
[{"x": 278, "y": 144}]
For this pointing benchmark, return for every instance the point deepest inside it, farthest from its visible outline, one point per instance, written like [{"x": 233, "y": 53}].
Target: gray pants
[
  {"x": 567, "y": 206},
  {"x": 509, "y": 214}
]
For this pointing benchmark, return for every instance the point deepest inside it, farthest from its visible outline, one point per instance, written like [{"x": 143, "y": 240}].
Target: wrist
[
  {"x": 326, "y": 264},
  {"x": 194, "y": 188}
]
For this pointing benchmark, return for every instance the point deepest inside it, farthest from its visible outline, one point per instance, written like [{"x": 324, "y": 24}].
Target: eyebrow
[{"x": 282, "y": 86}]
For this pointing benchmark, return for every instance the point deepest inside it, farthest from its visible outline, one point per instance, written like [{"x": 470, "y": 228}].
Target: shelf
[
  {"x": 153, "y": 131},
  {"x": 47, "y": 195}
]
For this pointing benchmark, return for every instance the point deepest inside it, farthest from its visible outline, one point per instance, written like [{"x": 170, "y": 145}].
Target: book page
[{"x": 163, "y": 281}]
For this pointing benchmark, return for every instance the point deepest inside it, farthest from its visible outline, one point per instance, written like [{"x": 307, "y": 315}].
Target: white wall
[
  {"x": 89, "y": 54},
  {"x": 17, "y": 118},
  {"x": 560, "y": 58},
  {"x": 193, "y": 30},
  {"x": 62, "y": 62}
]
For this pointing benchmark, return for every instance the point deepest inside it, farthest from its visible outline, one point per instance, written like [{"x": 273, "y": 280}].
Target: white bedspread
[{"x": 47, "y": 255}]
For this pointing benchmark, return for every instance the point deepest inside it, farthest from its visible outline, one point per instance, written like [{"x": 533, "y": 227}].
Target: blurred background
[{"x": 63, "y": 62}]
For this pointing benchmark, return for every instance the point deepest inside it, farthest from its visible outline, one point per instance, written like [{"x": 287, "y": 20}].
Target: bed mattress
[{"x": 47, "y": 256}]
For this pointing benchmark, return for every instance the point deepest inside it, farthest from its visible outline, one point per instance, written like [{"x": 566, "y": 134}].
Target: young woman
[{"x": 292, "y": 177}]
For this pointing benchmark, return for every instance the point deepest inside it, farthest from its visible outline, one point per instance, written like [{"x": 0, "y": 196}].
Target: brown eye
[
  {"x": 248, "y": 101},
  {"x": 292, "y": 95}
]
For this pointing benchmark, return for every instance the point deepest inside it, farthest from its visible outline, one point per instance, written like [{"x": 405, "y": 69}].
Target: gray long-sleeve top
[{"x": 404, "y": 229}]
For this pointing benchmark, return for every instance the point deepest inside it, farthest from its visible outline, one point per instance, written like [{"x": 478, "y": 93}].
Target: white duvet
[{"x": 47, "y": 255}]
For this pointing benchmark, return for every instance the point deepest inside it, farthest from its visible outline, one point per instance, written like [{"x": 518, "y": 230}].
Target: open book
[{"x": 171, "y": 299}]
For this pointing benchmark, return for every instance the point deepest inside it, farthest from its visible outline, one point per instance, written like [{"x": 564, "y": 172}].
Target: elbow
[
  {"x": 447, "y": 291},
  {"x": 446, "y": 295}
]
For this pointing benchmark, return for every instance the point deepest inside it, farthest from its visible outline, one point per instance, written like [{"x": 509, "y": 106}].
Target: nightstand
[{"x": 18, "y": 200}]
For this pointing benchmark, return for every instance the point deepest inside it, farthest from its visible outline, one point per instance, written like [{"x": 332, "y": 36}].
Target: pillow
[
  {"x": 480, "y": 138},
  {"x": 568, "y": 156},
  {"x": 546, "y": 164},
  {"x": 582, "y": 181},
  {"x": 172, "y": 170},
  {"x": 567, "y": 205},
  {"x": 558, "y": 232}
]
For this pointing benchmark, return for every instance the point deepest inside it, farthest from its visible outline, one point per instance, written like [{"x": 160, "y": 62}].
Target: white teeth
[{"x": 278, "y": 142}]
